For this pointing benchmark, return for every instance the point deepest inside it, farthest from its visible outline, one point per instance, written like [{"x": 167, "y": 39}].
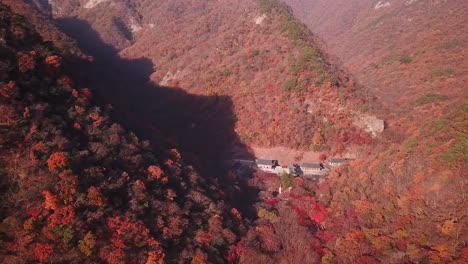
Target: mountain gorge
[
  {"x": 266, "y": 62},
  {"x": 119, "y": 120},
  {"x": 77, "y": 186},
  {"x": 401, "y": 50}
]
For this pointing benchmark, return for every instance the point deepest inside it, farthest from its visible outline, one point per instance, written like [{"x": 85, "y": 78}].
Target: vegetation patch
[
  {"x": 364, "y": 107},
  {"x": 286, "y": 180},
  {"x": 452, "y": 45},
  {"x": 442, "y": 72},
  {"x": 435, "y": 126},
  {"x": 310, "y": 58},
  {"x": 224, "y": 72},
  {"x": 253, "y": 53},
  {"x": 405, "y": 59},
  {"x": 271, "y": 216},
  {"x": 430, "y": 98},
  {"x": 381, "y": 169},
  {"x": 410, "y": 146},
  {"x": 65, "y": 232},
  {"x": 290, "y": 85},
  {"x": 248, "y": 137},
  {"x": 458, "y": 150},
  {"x": 267, "y": 5}
]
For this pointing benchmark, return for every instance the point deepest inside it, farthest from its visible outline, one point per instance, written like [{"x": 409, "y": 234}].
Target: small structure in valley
[
  {"x": 248, "y": 163},
  {"x": 267, "y": 165},
  {"x": 338, "y": 162},
  {"x": 312, "y": 168},
  {"x": 296, "y": 170}
]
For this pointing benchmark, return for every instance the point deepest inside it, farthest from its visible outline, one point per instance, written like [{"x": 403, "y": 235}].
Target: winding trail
[{"x": 284, "y": 155}]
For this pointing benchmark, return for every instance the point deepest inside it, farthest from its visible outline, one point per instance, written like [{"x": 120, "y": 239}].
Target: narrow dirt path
[{"x": 284, "y": 155}]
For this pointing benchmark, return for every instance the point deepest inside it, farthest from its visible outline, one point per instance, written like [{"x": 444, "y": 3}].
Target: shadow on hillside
[{"x": 200, "y": 127}]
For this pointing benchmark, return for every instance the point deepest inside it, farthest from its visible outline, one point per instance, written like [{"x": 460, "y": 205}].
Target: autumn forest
[{"x": 131, "y": 131}]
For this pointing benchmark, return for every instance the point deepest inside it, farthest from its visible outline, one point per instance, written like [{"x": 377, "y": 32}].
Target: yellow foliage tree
[
  {"x": 448, "y": 228},
  {"x": 318, "y": 140},
  {"x": 87, "y": 244},
  {"x": 328, "y": 258}
]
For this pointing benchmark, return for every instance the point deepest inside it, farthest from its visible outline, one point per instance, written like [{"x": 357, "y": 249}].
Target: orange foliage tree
[
  {"x": 42, "y": 251},
  {"x": 57, "y": 161},
  {"x": 50, "y": 201}
]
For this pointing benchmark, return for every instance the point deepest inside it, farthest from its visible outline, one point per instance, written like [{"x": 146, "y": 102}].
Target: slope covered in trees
[
  {"x": 75, "y": 185},
  {"x": 283, "y": 90},
  {"x": 79, "y": 187},
  {"x": 399, "y": 50},
  {"x": 405, "y": 204}
]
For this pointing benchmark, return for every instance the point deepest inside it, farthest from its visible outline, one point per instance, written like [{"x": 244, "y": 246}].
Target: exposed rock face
[
  {"x": 260, "y": 19},
  {"x": 370, "y": 124},
  {"x": 94, "y": 3},
  {"x": 135, "y": 26},
  {"x": 169, "y": 77},
  {"x": 382, "y": 4}
]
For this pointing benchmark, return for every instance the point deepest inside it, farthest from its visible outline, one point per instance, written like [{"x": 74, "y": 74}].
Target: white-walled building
[
  {"x": 312, "y": 168},
  {"x": 338, "y": 162},
  {"x": 267, "y": 165}
]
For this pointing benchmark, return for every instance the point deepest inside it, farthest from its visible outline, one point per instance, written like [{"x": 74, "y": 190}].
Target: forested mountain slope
[
  {"x": 405, "y": 202},
  {"x": 80, "y": 187},
  {"x": 284, "y": 92},
  {"x": 77, "y": 186},
  {"x": 400, "y": 50},
  {"x": 408, "y": 202}
]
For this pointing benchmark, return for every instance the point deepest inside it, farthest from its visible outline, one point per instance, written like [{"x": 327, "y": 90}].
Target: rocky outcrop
[{"x": 370, "y": 124}]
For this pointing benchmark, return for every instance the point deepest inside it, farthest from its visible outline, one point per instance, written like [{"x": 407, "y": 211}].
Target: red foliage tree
[
  {"x": 25, "y": 62},
  {"x": 235, "y": 252},
  {"x": 271, "y": 201},
  {"x": 203, "y": 237},
  {"x": 269, "y": 240},
  {"x": 199, "y": 258},
  {"x": 325, "y": 235},
  {"x": 139, "y": 190},
  {"x": 401, "y": 245},
  {"x": 236, "y": 214},
  {"x": 318, "y": 213},
  {"x": 113, "y": 256},
  {"x": 53, "y": 61},
  {"x": 50, "y": 201},
  {"x": 157, "y": 173},
  {"x": 34, "y": 212},
  {"x": 463, "y": 256},
  {"x": 37, "y": 149},
  {"x": 95, "y": 197},
  {"x": 57, "y": 161},
  {"x": 322, "y": 157},
  {"x": 155, "y": 257},
  {"x": 7, "y": 90},
  {"x": 86, "y": 94},
  {"x": 134, "y": 233},
  {"x": 42, "y": 251},
  {"x": 62, "y": 216},
  {"x": 77, "y": 126},
  {"x": 65, "y": 81},
  {"x": 75, "y": 93}
]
